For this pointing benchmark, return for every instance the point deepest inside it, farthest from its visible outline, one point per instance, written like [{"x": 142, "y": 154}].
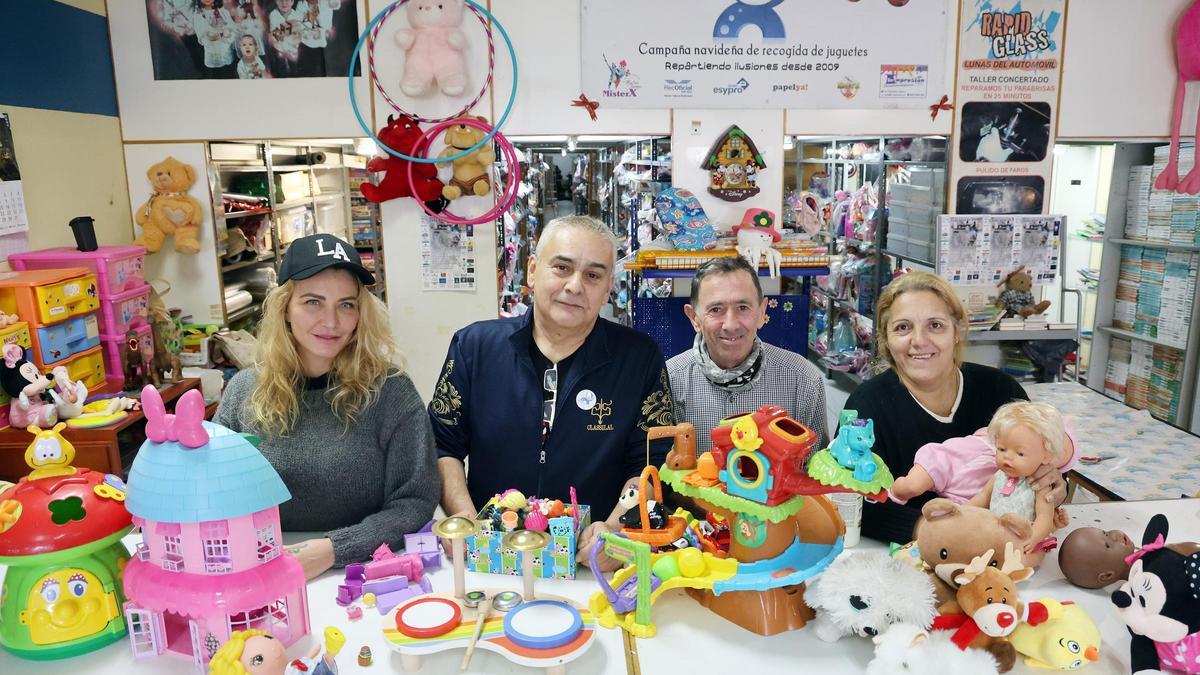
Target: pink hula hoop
[
  {"x": 379, "y": 86},
  {"x": 510, "y": 155}
]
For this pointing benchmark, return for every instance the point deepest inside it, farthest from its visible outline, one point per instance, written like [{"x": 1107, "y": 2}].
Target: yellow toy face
[
  {"x": 1066, "y": 642},
  {"x": 67, "y": 605},
  {"x": 745, "y": 434},
  {"x": 50, "y": 454}
]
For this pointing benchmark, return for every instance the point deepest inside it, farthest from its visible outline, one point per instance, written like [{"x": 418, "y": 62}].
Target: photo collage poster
[
  {"x": 982, "y": 250},
  {"x": 1009, "y": 74}
]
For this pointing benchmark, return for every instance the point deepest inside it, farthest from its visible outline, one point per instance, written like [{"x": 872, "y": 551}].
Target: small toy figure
[
  {"x": 401, "y": 134},
  {"x": 364, "y": 657},
  {"x": 27, "y": 386},
  {"x": 170, "y": 209},
  {"x": 135, "y": 363},
  {"x": 1068, "y": 640},
  {"x": 68, "y": 395},
  {"x": 1092, "y": 558},
  {"x": 633, "y": 518},
  {"x": 755, "y": 235},
  {"x": 471, "y": 172},
  {"x": 7, "y": 320},
  {"x": 435, "y": 47},
  {"x": 864, "y": 593},
  {"x": 1026, "y": 435},
  {"x": 49, "y": 454},
  {"x": 257, "y": 652},
  {"x": 1017, "y": 297},
  {"x": 1160, "y": 604},
  {"x": 165, "y": 361},
  {"x": 852, "y": 447}
]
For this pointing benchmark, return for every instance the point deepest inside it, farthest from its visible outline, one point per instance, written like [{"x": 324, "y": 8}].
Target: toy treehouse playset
[
  {"x": 60, "y": 536},
  {"x": 211, "y": 562},
  {"x": 770, "y": 527}
]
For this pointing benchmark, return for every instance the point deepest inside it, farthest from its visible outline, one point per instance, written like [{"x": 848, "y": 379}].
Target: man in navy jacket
[{"x": 556, "y": 398}]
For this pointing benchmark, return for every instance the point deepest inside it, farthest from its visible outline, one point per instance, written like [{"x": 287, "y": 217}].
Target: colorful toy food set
[
  {"x": 211, "y": 562},
  {"x": 513, "y": 511},
  {"x": 527, "y": 628},
  {"x": 60, "y": 536},
  {"x": 783, "y": 530}
]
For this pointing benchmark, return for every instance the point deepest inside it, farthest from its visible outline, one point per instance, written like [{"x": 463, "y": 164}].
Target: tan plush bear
[
  {"x": 470, "y": 172},
  {"x": 1017, "y": 297},
  {"x": 170, "y": 210}
]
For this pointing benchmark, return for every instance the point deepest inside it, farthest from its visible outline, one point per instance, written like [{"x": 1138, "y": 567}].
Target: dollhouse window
[
  {"x": 254, "y": 618},
  {"x": 141, "y": 632},
  {"x": 172, "y": 559},
  {"x": 278, "y": 617},
  {"x": 217, "y": 556},
  {"x": 267, "y": 545}
]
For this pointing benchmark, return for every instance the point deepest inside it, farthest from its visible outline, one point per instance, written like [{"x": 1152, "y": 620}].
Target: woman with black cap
[{"x": 337, "y": 417}]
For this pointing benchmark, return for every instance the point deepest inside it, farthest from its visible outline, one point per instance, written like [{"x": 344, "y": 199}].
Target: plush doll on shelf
[
  {"x": 755, "y": 235},
  {"x": 470, "y": 172},
  {"x": 401, "y": 134},
  {"x": 70, "y": 395},
  {"x": 1017, "y": 297},
  {"x": 434, "y": 48},
  {"x": 865, "y": 593},
  {"x": 1161, "y": 603},
  {"x": 170, "y": 210},
  {"x": 7, "y": 320},
  {"x": 27, "y": 386}
]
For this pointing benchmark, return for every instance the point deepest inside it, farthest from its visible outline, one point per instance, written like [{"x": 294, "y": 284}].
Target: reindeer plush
[
  {"x": 986, "y": 609},
  {"x": 1187, "y": 62}
]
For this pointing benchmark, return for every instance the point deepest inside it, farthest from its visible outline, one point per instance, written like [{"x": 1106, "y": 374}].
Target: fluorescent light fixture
[
  {"x": 788, "y": 144},
  {"x": 572, "y": 143},
  {"x": 366, "y": 147},
  {"x": 537, "y": 139},
  {"x": 1060, "y": 149}
]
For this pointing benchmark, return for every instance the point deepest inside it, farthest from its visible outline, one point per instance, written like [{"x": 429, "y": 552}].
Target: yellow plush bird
[{"x": 1068, "y": 640}]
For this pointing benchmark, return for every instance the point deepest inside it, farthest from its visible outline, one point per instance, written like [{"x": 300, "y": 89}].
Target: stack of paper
[
  {"x": 1166, "y": 378},
  {"x": 1149, "y": 300},
  {"x": 1014, "y": 361},
  {"x": 1129, "y": 276},
  {"x": 1012, "y": 323},
  {"x": 1035, "y": 323},
  {"x": 1137, "y": 207},
  {"x": 1117, "y": 371},
  {"x": 1161, "y": 201},
  {"x": 1178, "y": 290},
  {"x": 1137, "y": 384}
]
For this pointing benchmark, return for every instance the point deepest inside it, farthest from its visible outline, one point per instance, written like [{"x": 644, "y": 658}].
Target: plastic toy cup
[{"x": 849, "y": 506}]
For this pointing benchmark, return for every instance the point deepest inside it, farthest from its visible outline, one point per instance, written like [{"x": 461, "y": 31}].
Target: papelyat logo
[
  {"x": 1013, "y": 35},
  {"x": 677, "y": 88},
  {"x": 849, "y": 87},
  {"x": 735, "y": 88}
]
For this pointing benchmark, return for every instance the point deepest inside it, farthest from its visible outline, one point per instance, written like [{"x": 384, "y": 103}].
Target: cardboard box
[{"x": 485, "y": 551}]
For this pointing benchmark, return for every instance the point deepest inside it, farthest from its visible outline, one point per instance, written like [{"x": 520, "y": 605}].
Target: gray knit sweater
[{"x": 363, "y": 486}]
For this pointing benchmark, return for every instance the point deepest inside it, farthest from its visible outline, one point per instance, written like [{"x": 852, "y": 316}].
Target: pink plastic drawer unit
[
  {"x": 126, "y": 310},
  {"x": 117, "y": 268},
  {"x": 114, "y": 352}
]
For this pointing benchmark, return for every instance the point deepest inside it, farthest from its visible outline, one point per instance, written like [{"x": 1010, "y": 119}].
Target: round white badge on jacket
[{"x": 585, "y": 399}]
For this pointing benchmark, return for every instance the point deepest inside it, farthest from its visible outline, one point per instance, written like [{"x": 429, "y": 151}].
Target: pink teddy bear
[{"x": 434, "y": 47}]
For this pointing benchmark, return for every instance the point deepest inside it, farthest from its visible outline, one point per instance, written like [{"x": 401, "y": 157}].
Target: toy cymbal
[
  {"x": 526, "y": 540},
  {"x": 456, "y": 527}
]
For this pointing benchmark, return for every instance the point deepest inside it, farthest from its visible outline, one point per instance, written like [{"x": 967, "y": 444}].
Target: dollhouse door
[
  {"x": 147, "y": 637},
  {"x": 197, "y": 645}
]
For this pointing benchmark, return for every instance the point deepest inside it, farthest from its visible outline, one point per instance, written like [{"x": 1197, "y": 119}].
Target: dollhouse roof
[
  {"x": 226, "y": 478},
  {"x": 710, "y": 160}
]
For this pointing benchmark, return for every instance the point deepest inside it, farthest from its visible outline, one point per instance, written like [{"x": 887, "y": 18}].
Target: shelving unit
[
  {"x": 301, "y": 198},
  {"x": 366, "y": 230},
  {"x": 1127, "y": 156},
  {"x": 639, "y": 176}
]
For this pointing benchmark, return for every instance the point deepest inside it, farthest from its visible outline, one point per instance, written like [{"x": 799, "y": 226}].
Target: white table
[{"x": 690, "y": 638}]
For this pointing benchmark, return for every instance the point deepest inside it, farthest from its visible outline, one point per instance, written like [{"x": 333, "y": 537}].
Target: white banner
[
  {"x": 777, "y": 54},
  {"x": 1010, "y": 64}
]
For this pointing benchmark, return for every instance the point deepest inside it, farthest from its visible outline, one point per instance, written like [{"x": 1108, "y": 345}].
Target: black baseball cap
[{"x": 308, "y": 255}]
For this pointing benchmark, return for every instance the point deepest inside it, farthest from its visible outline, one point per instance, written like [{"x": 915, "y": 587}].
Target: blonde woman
[
  {"x": 927, "y": 393},
  {"x": 339, "y": 420}
]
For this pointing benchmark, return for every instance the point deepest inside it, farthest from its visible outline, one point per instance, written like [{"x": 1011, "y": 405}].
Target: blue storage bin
[{"x": 65, "y": 339}]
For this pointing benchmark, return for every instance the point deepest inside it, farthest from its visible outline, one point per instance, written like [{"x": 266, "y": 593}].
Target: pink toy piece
[
  {"x": 434, "y": 47},
  {"x": 356, "y": 571},
  {"x": 383, "y": 553},
  {"x": 1187, "y": 61},
  {"x": 408, "y": 565},
  {"x": 158, "y": 422},
  {"x": 344, "y": 596},
  {"x": 189, "y": 418},
  {"x": 354, "y": 613},
  {"x": 536, "y": 520},
  {"x": 385, "y": 585}
]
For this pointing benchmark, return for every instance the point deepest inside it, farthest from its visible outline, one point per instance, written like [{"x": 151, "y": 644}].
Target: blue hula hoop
[{"x": 512, "y": 96}]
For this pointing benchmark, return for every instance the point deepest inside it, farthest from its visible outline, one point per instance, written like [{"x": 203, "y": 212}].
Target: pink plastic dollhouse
[{"x": 211, "y": 561}]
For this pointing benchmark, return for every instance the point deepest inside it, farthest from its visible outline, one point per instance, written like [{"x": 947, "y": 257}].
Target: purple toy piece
[
  {"x": 356, "y": 571},
  {"x": 385, "y": 585},
  {"x": 431, "y": 560},
  {"x": 344, "y": 595},
  {"x": 626, "y": 598},
  {"x": 408, "y": 564}
]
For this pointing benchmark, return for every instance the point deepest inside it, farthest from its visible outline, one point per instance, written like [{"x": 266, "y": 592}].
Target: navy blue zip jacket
[{"x": 488, "y": 406}]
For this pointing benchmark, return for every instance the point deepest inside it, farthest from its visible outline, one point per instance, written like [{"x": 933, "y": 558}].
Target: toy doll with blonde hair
[
  {"x": 1025, "y": 436},
  {"x": 256, "y": 652}
]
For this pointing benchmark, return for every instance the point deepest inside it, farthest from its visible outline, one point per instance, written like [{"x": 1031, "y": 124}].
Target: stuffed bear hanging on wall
[{"x": 170, "y": 210}]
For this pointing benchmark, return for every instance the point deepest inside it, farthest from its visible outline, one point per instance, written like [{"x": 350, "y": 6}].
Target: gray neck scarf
[{"x": 739, "y": 376}]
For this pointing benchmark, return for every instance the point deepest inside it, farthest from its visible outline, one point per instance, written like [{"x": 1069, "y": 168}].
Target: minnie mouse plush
[
  {"x": 1161, "y": 603},
  {"x": 27, "y": 386}
]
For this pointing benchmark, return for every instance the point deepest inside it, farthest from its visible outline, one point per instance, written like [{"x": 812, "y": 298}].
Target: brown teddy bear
[
  {"x": 1017, "y": 297},
  {"x": 170, "y": 210},
  {"x": 470, "y": 172},
  {"x": 951, "y": 535}
]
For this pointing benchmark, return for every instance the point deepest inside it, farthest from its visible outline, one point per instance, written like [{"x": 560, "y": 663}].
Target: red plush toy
[{"x": 401, "y": 134}]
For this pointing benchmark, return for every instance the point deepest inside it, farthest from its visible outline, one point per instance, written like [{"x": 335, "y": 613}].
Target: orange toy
[{"x": 655, "y": 537}]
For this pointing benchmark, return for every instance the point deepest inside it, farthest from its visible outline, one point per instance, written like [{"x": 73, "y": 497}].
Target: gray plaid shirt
[{"x": 785, "y": 379}]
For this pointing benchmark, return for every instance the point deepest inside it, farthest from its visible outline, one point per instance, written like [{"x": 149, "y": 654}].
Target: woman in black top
[{"x": 927, "y": 394}]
